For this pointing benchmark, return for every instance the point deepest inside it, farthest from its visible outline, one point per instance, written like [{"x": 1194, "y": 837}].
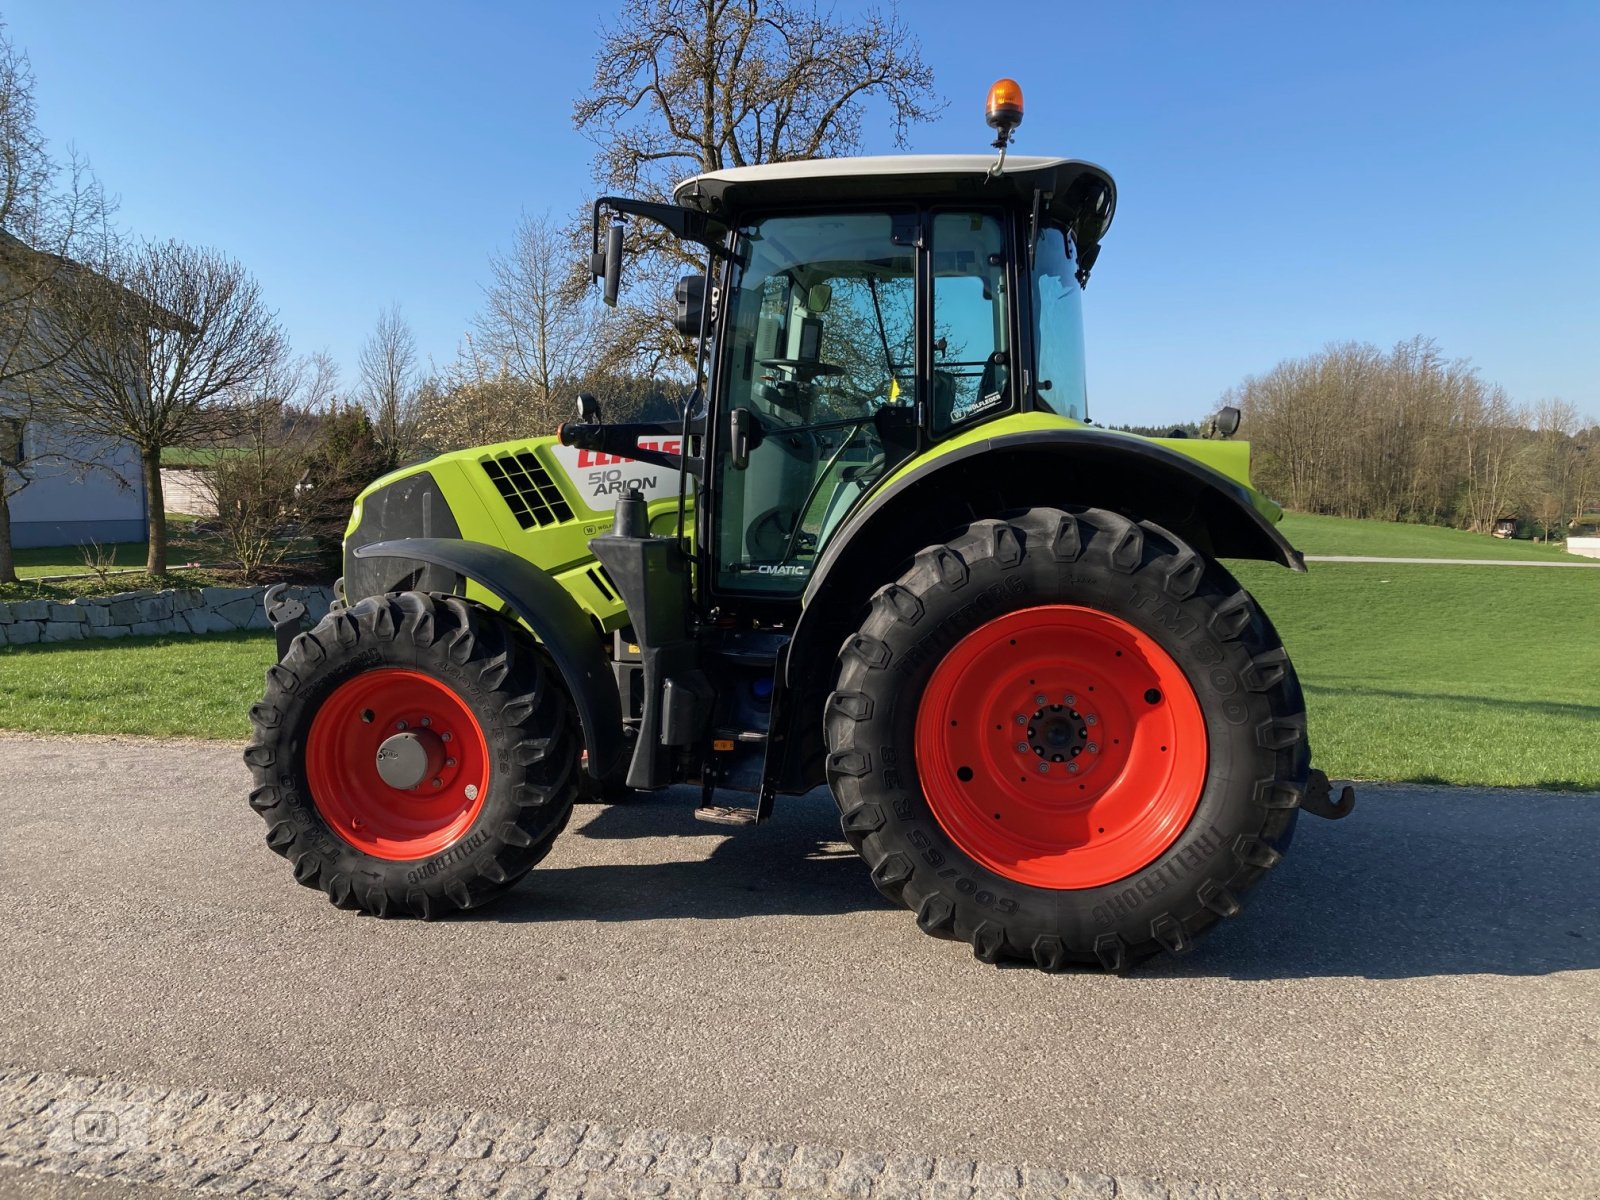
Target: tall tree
[
  {"x": 390, "y": 383},
  {"x": 165, "y": 345},
  {"x": 684, "y": 86},
  {"x": 535, "y": 324},
  {"x": 50, "y": 214}
]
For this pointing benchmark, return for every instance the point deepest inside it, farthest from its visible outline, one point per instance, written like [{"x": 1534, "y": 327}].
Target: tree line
[{"x": 1409, "y": 434}]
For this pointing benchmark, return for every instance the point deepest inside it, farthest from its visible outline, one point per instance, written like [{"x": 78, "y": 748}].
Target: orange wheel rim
[
  {"x": 1061, "y": 747},
  {"x": 408, "y": 714}
]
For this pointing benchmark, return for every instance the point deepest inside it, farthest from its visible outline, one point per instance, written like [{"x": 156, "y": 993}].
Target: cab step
[{"x": 724, "y": 814}]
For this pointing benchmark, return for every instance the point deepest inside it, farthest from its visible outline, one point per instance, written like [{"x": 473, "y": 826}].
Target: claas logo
[{"x": 594, "y": 458}]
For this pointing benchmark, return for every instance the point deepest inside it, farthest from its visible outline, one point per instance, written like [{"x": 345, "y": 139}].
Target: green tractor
[{"x": 881, "y": 548}]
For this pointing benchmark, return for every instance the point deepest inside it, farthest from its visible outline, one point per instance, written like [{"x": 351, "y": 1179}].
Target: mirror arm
[
  {"x": 685, "y": 223},
  {"x": 623, "y": 441}
]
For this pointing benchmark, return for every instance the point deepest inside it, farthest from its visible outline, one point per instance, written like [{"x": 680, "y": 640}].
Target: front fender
[{"x": 555, "y": 618}]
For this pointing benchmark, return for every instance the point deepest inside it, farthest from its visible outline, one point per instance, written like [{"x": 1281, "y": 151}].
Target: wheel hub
[
  {"x": 1057, "y": 733},
  {"x": 406, "y": 759}
]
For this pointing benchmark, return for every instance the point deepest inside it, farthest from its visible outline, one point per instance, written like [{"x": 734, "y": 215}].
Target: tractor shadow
[
  {"x": 796, "y": 864},
  {"x": 1417, "y": 882}
]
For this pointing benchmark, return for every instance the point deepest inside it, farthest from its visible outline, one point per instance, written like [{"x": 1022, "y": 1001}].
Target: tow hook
[
  {"x": 1319, "y": 801},
  {"x": 286, "y": 615}
]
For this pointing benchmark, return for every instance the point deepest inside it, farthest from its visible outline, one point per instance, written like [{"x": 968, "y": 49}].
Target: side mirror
[
  {"x": 608, "y": 265},
  {"x": 691, "y": 297},
  {"x": 1226, "y": 422},
  {"x": 588, "y": 408}
]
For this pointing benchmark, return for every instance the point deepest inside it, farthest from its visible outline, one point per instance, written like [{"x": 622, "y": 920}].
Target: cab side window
[
  {"x": 971, "y": 318},
  {"x": 1058, "y": 327}
]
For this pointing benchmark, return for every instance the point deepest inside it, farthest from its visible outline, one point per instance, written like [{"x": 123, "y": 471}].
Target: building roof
[{"x": 1072, "y": 187}]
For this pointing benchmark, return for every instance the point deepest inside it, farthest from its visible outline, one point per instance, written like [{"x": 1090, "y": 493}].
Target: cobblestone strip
[{"x": 262, "y": 1145}]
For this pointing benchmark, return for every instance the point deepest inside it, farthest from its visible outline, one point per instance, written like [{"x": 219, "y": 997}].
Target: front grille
[{"x": 528, "y": 490}]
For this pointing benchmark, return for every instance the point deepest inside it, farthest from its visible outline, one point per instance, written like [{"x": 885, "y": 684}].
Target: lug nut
[
  {"x": 1092, "y": 748},
  {"x": 1071, "y": 698},
  {"x": 1022, "y": 747},
  {"x": 400, "y": 725},
  {"x": 450, "y": 762},
  {"x": 1041, "y": 700},
  {"x": 427, "y": 721},
  {"x": 438, "y": 783},
  {"x": 1089, "y": 719},
  {"x": 444, "y": 737},
  {"x": 1044, "y": 768},
  {"x": 1072, "y": 768}
]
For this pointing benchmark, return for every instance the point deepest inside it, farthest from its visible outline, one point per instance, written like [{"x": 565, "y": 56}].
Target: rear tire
[
  {"x": 491, "y": 732},
  {"x": 957, "y": 792}
]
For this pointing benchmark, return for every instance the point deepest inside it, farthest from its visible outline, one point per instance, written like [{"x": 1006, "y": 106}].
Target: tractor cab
[{"x": 854, "y": 315}]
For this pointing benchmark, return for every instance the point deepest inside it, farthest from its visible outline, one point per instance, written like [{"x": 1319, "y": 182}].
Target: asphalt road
[{"x": 1409, "y": 1006}]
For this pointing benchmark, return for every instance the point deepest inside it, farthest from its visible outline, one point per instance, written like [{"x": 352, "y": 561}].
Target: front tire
[
  {"x": 415, "y": 753},
  {"x": 1067, "y": 737}
]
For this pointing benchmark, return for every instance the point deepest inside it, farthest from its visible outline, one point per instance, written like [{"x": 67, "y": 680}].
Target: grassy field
[
  {"x": 1444, "y": 674},
  {"x": 1335, "y": 535},
  {"x": 155, "y": 686}
]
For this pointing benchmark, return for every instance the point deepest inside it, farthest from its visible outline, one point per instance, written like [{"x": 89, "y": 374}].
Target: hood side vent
[{"x": 528, "y": 490}]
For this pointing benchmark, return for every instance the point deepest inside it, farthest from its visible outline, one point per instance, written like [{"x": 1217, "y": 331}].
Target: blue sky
[{"x": 1289, "y": 175}]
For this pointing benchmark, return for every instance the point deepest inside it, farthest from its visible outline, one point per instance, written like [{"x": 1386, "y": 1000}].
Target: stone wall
[{"x": 185, "y": 610}]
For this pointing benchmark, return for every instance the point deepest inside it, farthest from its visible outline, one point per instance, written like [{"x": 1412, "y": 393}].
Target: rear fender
[
  {"x": 544, "y": 606},
  {"x": 1139, "y": 477}
]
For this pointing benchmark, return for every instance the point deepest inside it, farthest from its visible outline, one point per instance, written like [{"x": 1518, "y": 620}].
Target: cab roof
[{"x": 1070, "y": 188}]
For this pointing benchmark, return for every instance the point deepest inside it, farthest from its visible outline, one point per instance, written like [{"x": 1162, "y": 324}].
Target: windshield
[{"x": 821, "y": 341}]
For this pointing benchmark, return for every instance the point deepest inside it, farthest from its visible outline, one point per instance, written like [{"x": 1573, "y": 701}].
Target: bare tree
[
  {"x": 697, "y": 85},
  {"x": 684, "y": 86},
  {"x": 165, "y": 345},
  {"x": 1553, "y": 465},
  {"x": 389, "y": 384},
  {"x": 49, "y": 214},
  {"x": 534, "y": 323}
]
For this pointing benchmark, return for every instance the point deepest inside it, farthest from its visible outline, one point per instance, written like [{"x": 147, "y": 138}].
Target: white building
[
  {"x": 75, "y": 491},
  {"x": 66, "y": 504}
]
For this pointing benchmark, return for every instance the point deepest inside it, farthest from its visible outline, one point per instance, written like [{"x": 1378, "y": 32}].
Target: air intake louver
[{"x": 528, "y": 490}]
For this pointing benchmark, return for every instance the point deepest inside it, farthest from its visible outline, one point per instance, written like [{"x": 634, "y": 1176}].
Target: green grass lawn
[
  {"x": 1335, "y": 535},
  {"x": 1446, "y": 674},
  {"x": 156, "y": 686},
  {"x": 183, "y": 545}
]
